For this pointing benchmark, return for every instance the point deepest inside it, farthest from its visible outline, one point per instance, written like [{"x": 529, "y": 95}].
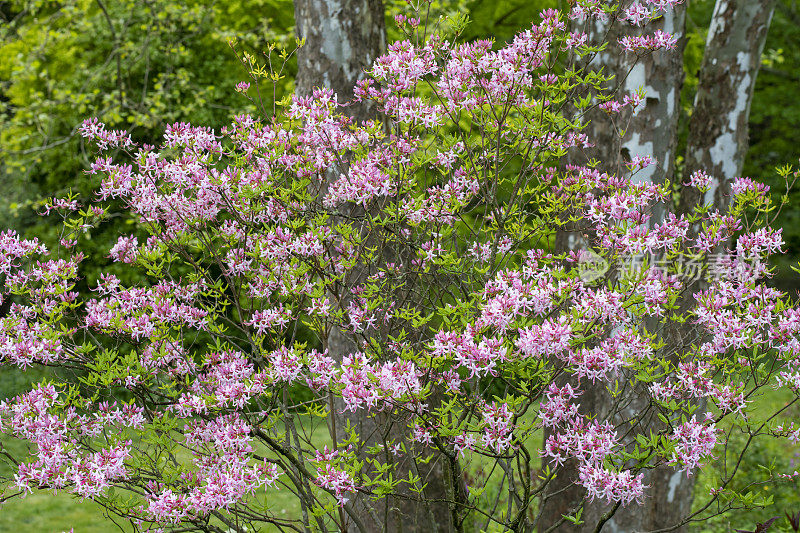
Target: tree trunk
[
  {"x": 717, "y": 144},
  {"x": 342, "y": 39},
  {"x": 650, "y": 132},
  {"x": 718, "y": 132}
]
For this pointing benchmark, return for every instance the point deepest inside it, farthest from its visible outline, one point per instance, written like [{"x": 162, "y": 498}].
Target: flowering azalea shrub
[{"x": 423, "y": 242}]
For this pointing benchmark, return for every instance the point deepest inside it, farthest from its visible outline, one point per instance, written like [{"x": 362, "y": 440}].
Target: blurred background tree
[{"x": 135, "y": 64}]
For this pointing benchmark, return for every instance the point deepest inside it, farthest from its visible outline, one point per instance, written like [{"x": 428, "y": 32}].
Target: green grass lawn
[{"x": 43, "y": 512}]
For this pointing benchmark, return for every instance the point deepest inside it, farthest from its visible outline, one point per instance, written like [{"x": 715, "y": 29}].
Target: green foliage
[
  {"x": 775, "y": 117},
  {"x": 135, "y": 65},
  {"x": 500, "y": 20},
  {"x": 759, "y": 491}
]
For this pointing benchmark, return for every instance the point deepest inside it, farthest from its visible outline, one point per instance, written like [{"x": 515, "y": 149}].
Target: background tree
[
  {"x": 341, "y": 41},
  {"x": 719, "y": 125},
  {"x": 717, "y": 143}
]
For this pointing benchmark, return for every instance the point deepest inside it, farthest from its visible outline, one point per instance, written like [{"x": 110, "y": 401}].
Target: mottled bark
[
  {"x": 342, "y": 39},
  {"x": 650, "y": 132},
  {"x": 717, "y": 144},
  {"x": 718, "y": 132}
]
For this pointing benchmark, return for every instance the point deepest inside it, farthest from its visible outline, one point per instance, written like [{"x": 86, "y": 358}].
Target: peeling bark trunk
[
  {"x": 342, "y": 39},
  {"x": 651, "y": 132},
  {"x": 718, "y": 132},
  {"x": 717, "y": 144}
]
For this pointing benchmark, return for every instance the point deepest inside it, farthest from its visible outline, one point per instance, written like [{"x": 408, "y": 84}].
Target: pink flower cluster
[
  {"x": 61, "y": 462},
  {"x": 642, "y": 43},
  {"x": 498, "y": 427},
  {"x": 557, "y": 406},
  {"x": 694, "y": 442},
  {"x": 368, "y": 385},
  {"x": 141, "y": 312},
  {"x": 105, "y": 139},
  {"x": 224, "y": 472},
  {"x": 600, "y": 483},
  {"x": 590, "y": 444},
  {"x": 333, "y": 479}
]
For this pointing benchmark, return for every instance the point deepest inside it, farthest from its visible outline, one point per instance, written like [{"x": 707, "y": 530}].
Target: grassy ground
[
  {"x": 43, "y": 512},
  {"x": 764, "y": 458}
]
